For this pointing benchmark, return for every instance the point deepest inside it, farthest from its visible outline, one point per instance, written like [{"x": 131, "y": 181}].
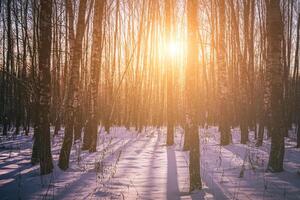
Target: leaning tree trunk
[
  {"x": 191, "y": 95},
  {"x": 44, "y": 86},
  {"x": 274, "y": 75},
  {"x": 90, "y": 138},
  {"x": 72, "y": 98}
]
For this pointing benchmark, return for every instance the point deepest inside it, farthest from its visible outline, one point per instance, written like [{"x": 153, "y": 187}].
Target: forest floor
[{"x": 128, "y": 165}]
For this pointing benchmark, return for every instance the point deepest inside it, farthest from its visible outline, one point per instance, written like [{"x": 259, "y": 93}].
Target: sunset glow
[{"x": 174, "y": 48}]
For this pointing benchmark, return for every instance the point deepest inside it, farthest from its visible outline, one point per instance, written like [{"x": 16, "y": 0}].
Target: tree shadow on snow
[{"x": 172, "y": 180}]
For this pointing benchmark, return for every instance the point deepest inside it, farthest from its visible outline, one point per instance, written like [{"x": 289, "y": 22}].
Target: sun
[{"x": 173, "y": 48}]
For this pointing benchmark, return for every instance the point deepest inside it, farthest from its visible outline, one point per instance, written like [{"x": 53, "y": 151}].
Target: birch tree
[
  {"x": 274, "y": 70},
  {"x": 191, "y": 91}
]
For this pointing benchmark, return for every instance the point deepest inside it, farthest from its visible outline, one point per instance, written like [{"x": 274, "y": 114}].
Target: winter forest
[{"x": 150, "y": 99}]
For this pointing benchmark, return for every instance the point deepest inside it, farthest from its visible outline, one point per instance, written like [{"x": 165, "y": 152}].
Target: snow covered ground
[{"x": 128, "y": 165}]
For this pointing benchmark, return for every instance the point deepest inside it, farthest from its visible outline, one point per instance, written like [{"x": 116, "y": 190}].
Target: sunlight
[{"x": 174, "y": 48}]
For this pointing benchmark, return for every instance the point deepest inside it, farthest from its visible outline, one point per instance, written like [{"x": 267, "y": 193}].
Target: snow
[{"x": 128, "y": 165}]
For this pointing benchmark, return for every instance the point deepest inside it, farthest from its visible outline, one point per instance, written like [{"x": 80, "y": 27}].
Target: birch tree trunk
[
  {"x": 223, "y": 79},
  {"x": 90, "y": 141},
  {"x": 44, "y": 86},
  {"x": 191, "y": 94},
  {"x": 274, "y": 70},
  {"x": 72, "y": 98},
  {"x": 170, "y": 114}
]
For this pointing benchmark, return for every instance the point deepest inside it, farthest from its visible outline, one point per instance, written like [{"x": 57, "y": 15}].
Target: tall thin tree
[
  {"x": 72, "y": 95},
  {"x": 222, "y": 78},
  {"x": 91, "y": 133},
  {"x": 170, "y": 113},
  {"x": 191, "y": 91},
  {"x": 44, "y": 52},
  {"x": 274, "y": 70}
]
